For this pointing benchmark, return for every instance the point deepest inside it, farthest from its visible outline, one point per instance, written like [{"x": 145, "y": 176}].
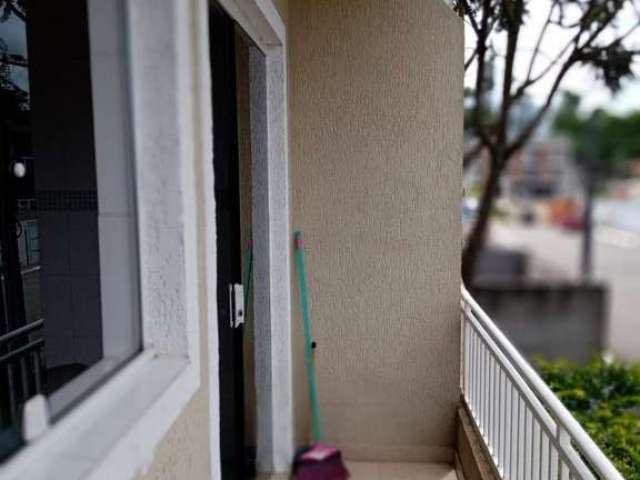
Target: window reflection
[{"x": 50, "y": 310}]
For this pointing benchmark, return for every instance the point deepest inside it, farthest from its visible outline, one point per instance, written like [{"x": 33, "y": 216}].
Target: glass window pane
[{"x": 51, "y": 322}]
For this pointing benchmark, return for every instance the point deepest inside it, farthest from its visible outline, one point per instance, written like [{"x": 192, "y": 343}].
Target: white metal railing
[{"x": 527, "y": 430}]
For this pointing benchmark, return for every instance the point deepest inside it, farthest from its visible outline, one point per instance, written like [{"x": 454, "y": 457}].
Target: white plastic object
[
  {"x": 35, "y": 418},
  {"x": 19, "y": 169},
  {"x": 236, "y": 305},
  {"x": 239, "y": 304}
]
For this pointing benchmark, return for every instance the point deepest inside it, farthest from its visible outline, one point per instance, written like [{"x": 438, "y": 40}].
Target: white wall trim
[
  {"x": 259, "y": 19},
  {"x": 132, "y": 412},
  {"x": 114, "y": 432},
  {"x": 272, "y": 244},
  {"x": 276, "y": 198},
  {"x": 203, "y": 92}
]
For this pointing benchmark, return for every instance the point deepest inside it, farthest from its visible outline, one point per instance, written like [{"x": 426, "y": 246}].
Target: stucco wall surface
[
  {"x": 190, "y": 449},
  {"x": 375, "y": 147},
  {"x": 185, "y": 452}
]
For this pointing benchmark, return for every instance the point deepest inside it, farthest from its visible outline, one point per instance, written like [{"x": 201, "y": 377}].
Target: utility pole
[
  {"x": 590, "y": 182},
  {"x": 586, "y": 267}
]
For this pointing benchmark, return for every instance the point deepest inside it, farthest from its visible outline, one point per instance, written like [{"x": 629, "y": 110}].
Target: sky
[{"x": 580, "y": 80}]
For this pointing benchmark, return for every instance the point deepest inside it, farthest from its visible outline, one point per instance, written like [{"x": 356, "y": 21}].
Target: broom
[{"x": 318, "y": 461}]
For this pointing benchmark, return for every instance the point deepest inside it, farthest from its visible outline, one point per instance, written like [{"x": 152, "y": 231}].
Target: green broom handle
[{"x": 308, "y": 349}]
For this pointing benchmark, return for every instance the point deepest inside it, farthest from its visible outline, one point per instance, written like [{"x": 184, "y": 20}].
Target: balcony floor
[{"x": 400, "y": 471}]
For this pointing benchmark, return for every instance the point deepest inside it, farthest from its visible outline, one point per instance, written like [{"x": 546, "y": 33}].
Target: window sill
[{"x": 113, "y": 433}]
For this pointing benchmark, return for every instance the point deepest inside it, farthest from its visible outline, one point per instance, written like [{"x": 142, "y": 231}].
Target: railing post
[
  {"x": 564, "y": 440},
  {"x": 527, "y": 429}
]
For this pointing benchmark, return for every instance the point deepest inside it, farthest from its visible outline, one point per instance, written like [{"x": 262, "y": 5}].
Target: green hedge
[{"x": 605, "y": 399}]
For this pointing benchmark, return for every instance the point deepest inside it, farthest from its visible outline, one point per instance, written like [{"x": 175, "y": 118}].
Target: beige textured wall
[
  {"x": 375, "y": 148},
  {"x": 184, "y": 452}
]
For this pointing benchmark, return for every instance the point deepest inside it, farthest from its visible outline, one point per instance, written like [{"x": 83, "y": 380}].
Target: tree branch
[
  {"x": 469, "y": 13},
  {"x": 531, "y": 81},
  {"x": 513, "y": 32},
  {"x": 528, "y": 130},
  {"x": 15, "y": 10},
  {"x": 575, "y": 40},
  {"x": 624, "y": 35},
  {"x": 469, "y": 62},
  {"x": 481, "y": 47},
  {"x": 596, "y": 33},
  {"x": 471, "y": 154},
  {"x": 536, "y": 49},
  {"x": 543, "y": 73}
]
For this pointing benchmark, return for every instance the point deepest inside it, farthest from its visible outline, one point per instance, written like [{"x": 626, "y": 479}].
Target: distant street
[{"x": 555, "y": 253}]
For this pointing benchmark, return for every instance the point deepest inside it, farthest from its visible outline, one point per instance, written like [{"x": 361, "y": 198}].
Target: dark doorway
[{"x": 227, "y": 195}]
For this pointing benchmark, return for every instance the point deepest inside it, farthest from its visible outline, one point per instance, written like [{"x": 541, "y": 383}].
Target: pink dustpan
[{"x": 320, "y": 462}]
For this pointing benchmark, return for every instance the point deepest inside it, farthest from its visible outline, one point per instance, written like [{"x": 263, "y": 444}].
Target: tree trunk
[{"x": 476, "y": 238}]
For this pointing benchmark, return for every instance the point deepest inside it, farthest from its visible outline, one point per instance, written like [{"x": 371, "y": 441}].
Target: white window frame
[{"x": 113, "y": 433}]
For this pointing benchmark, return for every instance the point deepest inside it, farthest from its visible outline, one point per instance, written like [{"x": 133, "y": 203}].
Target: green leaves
[
  {"x": 510, "y": 13},
  {"x": 613, "y": 140},
  {"x": 612, "y": 63},
  {"x": 605, "y": 399}
]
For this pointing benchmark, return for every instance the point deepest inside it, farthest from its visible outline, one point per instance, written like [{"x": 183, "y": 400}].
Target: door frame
[
  {"x": 226, "y": 168},
  {"x": 272, "y": 251}
]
